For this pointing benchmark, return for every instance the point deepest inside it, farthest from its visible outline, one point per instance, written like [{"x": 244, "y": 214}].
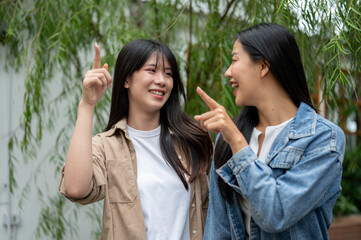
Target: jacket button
[
  {"x": 193, "y": 205},
  {"x": 194, "y": 232}
]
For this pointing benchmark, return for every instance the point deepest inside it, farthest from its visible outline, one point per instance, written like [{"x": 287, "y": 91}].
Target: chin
[
  {"x": 239, "y": 102},
  {"x": 155, "y": 107}
]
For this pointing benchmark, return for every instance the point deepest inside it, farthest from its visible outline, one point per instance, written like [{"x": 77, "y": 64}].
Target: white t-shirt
[
  {"x": 270, "y": 135},
  {"x": 165, "y": 202}
]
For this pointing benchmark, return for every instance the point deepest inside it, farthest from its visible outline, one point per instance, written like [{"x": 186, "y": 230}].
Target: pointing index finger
[
  {"x": 96, "y": 63},
  {"x": 212, "y": 104}
]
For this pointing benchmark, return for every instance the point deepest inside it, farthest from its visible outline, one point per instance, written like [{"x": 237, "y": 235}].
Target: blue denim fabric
[{"x": 292, "y": 194}]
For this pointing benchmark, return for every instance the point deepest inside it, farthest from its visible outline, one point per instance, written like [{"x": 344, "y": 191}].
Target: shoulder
[
  {"x": 333, "y": 132},
  {"x": 111, "y": 136},
  {"x": 120, "y": 126},
  {"x": 326, "y": 137},
  {"x": 315, "y": 134}
]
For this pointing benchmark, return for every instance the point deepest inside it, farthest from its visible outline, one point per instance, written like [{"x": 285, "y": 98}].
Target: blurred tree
[{"x": 53, "y": 36}]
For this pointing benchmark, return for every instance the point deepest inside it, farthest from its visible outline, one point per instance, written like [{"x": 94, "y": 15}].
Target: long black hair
[
  {"x": 276, "y": 46},
  {"x": 177, "y": 128}
]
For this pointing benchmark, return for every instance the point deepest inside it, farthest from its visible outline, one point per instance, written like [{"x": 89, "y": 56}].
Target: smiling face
[
  {"x": 149, "y": 87},
  {"x": 244, "y": 75}
]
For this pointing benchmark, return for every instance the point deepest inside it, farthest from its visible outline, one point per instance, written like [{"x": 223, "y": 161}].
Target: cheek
[
  {"x": 170, "y": 83},
  {"x": 237, "y": 71}
]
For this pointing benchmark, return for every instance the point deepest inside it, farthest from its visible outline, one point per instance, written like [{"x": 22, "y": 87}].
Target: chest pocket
[
  {"x": 285, "y": 160},
  {"x": 122, "y": 184}
]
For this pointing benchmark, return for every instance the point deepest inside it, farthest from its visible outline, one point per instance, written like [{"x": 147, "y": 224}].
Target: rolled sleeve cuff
[
  {"x": 84, "y": 200},
  {"x": 235, "y": 165}
]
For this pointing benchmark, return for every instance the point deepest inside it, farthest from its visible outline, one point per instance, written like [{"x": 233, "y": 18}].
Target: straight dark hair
[
  {"x": 177, "y": 128},
  {"x": 276, "y": 46}
]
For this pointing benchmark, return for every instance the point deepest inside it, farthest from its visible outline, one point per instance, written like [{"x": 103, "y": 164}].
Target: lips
[
  {"x": 157, "y": 92},
  {"x": 234, "y": 85}
]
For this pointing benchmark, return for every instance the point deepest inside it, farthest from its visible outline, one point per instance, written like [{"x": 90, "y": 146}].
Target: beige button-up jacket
[{"x": 115, "y": 181}]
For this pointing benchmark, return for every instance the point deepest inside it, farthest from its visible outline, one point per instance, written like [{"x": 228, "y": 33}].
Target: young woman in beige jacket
[{"x": 150, "y": 163}]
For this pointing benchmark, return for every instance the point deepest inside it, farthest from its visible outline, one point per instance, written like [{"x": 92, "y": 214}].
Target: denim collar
[
  {"x": 304, "y": 122},
  {"x": 302, "y": 125}
]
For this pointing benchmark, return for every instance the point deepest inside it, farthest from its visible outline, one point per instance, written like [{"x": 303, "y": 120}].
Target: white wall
[{"x": 11, "y": 98}]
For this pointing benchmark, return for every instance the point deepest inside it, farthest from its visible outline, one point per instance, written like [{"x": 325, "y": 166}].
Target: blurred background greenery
[{"x": 46, "y": 37}]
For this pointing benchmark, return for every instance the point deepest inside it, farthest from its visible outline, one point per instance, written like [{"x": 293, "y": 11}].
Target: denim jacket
[{"x": 292, "y": 194}]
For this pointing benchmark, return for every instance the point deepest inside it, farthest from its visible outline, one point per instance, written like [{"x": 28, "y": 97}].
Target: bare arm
[{"x": 79, "y": 165}]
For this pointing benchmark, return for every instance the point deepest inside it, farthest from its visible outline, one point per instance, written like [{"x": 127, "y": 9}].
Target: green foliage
[
  {"x": 350, "y": 199},
  {"x": 46, "y": 37},
  {"x": 53, "y": 221}
]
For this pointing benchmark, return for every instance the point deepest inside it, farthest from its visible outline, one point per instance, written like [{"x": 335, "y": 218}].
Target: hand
[
  {"x": 96, "y": 81},
  {"x": 217, "y": 120}
]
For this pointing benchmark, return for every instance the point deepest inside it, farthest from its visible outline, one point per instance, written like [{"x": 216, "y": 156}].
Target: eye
[
  {"x": 150, "y": 70},
  {"x": 233, "y": 60},
  {"x": 168, "y": 74}
]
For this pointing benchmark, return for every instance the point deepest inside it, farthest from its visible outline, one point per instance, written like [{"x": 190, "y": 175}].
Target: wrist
[
  {"x": 237, "y": 144},
  {"x": 86, "y": 106}
]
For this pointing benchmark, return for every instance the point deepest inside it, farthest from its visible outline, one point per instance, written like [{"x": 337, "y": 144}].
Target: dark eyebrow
[
  {"x": 153, "y": 65},
  {"x": 234, "y": 53},
  {"x": 150, "y": 65}
]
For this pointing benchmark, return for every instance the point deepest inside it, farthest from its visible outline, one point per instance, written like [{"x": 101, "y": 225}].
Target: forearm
[{"x": 79, "y": 166}]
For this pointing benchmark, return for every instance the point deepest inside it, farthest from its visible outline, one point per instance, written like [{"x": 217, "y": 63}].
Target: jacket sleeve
[
  {"x": 217, "y": 223},
  {"x": 278, "y": 202},
  {"x": 97, "y": 187}
]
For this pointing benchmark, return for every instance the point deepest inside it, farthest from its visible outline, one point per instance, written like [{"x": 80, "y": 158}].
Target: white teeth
[
  {"x": 157, "y": 92},
  {"x": 234, "y": 85}
]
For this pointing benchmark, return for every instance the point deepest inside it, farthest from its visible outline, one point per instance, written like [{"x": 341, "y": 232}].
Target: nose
[
  {"x": 159, "y": 79},
  {"x": 228, "y": 73}
]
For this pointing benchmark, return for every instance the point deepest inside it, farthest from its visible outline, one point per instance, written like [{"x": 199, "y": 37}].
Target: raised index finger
[
  {"x": 96, "y": 63},
  {"x": 207, "y": 99}
]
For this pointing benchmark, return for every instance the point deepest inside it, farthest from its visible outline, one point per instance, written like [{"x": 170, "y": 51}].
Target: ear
[
  {"x": 126, "y": 84},
  {"x": 265, "y": 65}
]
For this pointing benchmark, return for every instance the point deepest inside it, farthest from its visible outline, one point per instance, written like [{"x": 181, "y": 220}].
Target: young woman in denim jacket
[
  {"x": 277, "y": 166},
  {"x": 150, "y": 163}
]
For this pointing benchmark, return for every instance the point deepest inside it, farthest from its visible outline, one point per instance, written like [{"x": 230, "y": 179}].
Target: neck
[
  {"x": 275, "y": 112},
  {"x": 275, "y": 107},
  {"x": 143, "y": 121}
]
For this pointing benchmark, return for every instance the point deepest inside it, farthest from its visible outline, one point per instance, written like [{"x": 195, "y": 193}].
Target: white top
[
  {"x": 270, "y": 135},
  {"x": 165, "y": 202}
]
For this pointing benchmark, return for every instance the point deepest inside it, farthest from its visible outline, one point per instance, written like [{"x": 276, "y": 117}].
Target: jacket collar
[
  {"x": 304, "y": 122},
  {"x": 121, "y": 125},
  {"x": 302, "y": 125}
]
